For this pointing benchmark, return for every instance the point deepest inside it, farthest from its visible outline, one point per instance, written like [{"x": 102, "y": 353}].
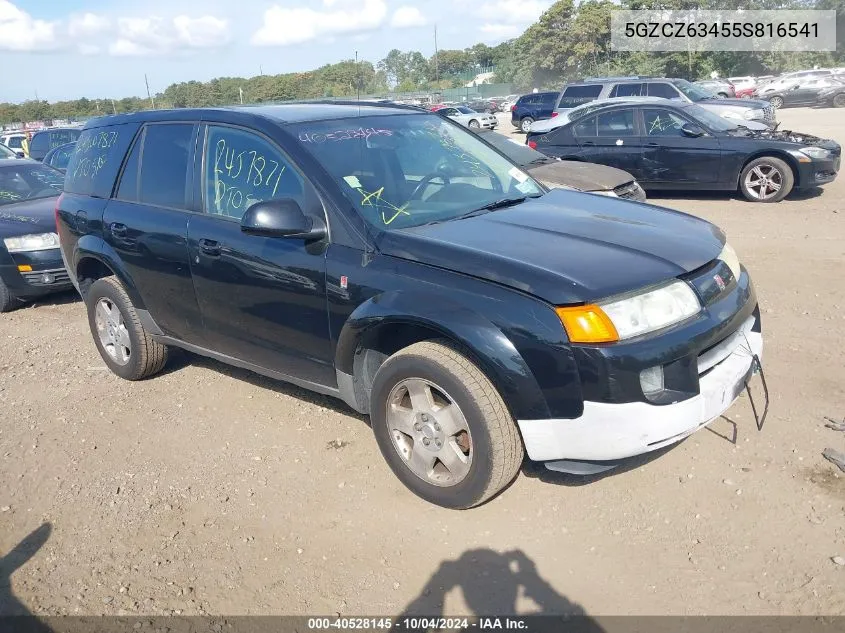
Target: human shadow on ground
[
  {"x": 492, "y": 585},
  {"x": 13, "y": 613}
]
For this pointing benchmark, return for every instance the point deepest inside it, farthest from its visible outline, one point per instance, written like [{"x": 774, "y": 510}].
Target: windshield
[
  {"x": 708, "y": 118},
  {"x": 28, "y": 181},
  {"x": 407, "y": 170},
  {"x": 691, "y": 91},
  {"x": 5, "y": 152}
]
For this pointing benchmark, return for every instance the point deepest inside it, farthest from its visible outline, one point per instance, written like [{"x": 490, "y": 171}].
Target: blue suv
[{"x": 533, "y": 107}]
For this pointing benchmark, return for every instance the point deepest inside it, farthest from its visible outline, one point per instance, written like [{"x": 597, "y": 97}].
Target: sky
[{"x": 67, "y": 49}]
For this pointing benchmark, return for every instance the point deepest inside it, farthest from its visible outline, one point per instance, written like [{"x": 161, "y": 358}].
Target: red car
[{"x": 745, "y": 93}]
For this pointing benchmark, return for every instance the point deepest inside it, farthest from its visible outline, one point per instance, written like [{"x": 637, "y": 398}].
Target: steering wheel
[{"x": 424, "y": 182}]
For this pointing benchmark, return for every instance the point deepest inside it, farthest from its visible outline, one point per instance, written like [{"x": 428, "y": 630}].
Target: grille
[
  {"x": 732, "y": 344},
  {"x": 769, "y": 114},
  {"x": 630, "y": 191},
  {"x": 35, "y": 278}
]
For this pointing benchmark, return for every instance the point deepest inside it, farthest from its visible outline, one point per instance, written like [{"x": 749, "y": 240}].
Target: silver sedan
[{"x": 469, "y": 117}]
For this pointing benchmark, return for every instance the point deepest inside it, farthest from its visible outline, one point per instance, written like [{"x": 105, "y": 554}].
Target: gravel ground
[{"x": 211, "y": 490}]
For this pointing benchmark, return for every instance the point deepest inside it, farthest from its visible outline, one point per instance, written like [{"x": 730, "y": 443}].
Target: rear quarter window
[
  {"x": 577, "y": 95},
  {"x": 96, "y": 159}
]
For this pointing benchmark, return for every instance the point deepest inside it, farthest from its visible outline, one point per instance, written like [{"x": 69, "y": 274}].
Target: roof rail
[
  {"x": 347, "y": 102},
  {"x": 625, "y": 78}
]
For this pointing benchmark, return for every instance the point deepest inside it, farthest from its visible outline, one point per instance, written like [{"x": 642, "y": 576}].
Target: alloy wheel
[
  {"x": 429, "y": 432},
  {"x": 114, "y": 337},
  {"x": 777, "y": 102},
  {"x": 764, "y": 181}
]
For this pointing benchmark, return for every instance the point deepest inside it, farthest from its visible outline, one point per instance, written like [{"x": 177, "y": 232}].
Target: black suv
[
  {"x": 393, "y": 259},
  {"x": 45, "y": 140}
]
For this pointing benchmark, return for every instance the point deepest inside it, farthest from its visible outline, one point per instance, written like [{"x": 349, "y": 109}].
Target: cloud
[
  {"x": 283, "y": 26},
  {"x": 87, "y": 25},
  {"x": 513, "y": 16},
  {"x": 19, "y": 31},
  {"x": 155, "y": 35},
  {"x": 405, "y": 17}
]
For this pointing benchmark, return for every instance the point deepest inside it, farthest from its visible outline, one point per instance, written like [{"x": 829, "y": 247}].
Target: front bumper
[
  {"x": 47, "y": 274},
  {"x": 818, "y": 172},
  {"x": 608, "y": 431}
]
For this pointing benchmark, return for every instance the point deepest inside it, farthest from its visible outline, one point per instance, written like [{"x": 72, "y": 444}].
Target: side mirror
[
  {"x": 282, "y": 218},
  {"x": 692, "y": 131}
]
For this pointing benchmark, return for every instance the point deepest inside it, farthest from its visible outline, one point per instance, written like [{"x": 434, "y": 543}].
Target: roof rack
[{"x": 626, "y": 78}]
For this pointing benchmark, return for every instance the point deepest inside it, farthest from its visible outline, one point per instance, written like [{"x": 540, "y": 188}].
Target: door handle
[
  {"x": 118, "y": 230},
  {"x": 652, "y": 144},
  {"x": 209, "y": 247},
  {"x": 589, "y": 144}
]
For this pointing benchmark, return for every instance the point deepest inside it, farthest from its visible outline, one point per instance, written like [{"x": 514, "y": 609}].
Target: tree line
[{"x": 570, "y": 40}]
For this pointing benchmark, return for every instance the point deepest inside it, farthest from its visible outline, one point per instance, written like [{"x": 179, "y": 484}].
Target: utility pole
[
  {"x": 113, "y": 107},
  {"x": 357, "y": 79},
  {"x": 436, "y": 57},
  {"x": 241, "y": 91},
  {"x": 261, "y": 70},
  {"x": 149, "y": 95}
]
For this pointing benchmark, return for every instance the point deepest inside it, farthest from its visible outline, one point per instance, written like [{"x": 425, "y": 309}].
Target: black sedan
[
  {"x": 809, "y": 93},
  {"x": 30, "y": 260},
  {"x": 683, "y": 146},
  {"x": 567, "y": 174},
  {"x": 58, "y": 157}
]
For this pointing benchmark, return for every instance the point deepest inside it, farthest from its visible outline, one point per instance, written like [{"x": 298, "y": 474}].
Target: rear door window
[
  {"x": 627, "y": 90},
  {"x": 586, "y": 127},
  {"x": 96, "y": 159},
  {"x": 164, "y": 164},
  {"x": 616, "y": 123},
  {"x": 128, "y": 188},
  {"x": 576, "y": 95}
]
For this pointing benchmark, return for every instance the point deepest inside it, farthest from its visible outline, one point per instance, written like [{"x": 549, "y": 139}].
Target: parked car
[
  {"x": 684, "y": 146},
  {"x": 746, "y": 92},
  {"x": 481, "y": 105},
  {"x": 833, "y": 96},
  {"x": 58, "y": 157},
  {"x": 741, "y": 83},
  {"x": 45, "y": 140},
  {"x": 718, "y": 87},
  {"x": 541, "y": 127},
  {"x": 469, "y": 117},
  {"x": 507, "y": 104},
  {"x": 533, "y": 107},
  {"x": 677, "y": 90},
  {"x": 788, "y": 79},
  {"x": 567, "y": 174},
  {"x": 807, "y": 92},
  {"x": 431, "y": 283},
  {"x": 30, "y": 261},
  {"x": 14, "y": 141}
]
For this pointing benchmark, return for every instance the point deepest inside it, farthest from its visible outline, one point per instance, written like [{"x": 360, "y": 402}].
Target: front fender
[
  {"x": 93, "y": 247},
  {"x": 482, "y": 340}
]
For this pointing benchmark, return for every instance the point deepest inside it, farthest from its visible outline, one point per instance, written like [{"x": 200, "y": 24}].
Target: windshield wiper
[{"x": 493, "y": 206}]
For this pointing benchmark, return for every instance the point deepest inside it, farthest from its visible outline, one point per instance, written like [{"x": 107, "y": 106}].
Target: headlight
[
  {"x": 815, "y": 152},
  {"x": 729, "y": 256},
  {"x": 606, "y": 192},
  {"x": 617, "y": 320},
  {"x": 754, "y": 114},
  {"x": 34, "y": 242}
]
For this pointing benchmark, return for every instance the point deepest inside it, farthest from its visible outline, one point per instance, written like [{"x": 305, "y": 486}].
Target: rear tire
[
  {"x": 453, "y": 442},
  {"x": 124, "y": 345},
  {"x": 777, "y": 102},
  {"x": 839, "y": 101},
  {"x": 759, "y": 177},
  {"x": 525, "y": 124},
  {"x": 7, "y": 300}
]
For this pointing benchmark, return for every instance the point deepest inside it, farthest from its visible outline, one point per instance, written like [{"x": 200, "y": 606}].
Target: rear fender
[{"x": 93, "y": 247}]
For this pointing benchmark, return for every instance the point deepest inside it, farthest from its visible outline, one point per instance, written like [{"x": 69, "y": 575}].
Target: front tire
[
  {"x": 777, "y": 102},
  {"x": 442, "y": 426},
  {"x": 766, "y": 179},
  {"x": 124, "y": 345},
  {"x": 474, "y": 125},
  {"x": 7, "y": 299},
  {"x": 839, "y": 101},
  {"x": 525, "y": 124}
]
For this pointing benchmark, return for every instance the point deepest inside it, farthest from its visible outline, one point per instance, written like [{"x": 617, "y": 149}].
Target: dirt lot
[{"x": 212, "y": 490}]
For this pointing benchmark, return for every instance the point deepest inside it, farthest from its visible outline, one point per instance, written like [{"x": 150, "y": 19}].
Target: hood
[
  {"x": 28, "y": 216},
  {"x": 799, "y": 138},
  {"x": 565, "y": 247},
  {"x": 583, "y": 176},
  {"x": 753, "y": 104}
]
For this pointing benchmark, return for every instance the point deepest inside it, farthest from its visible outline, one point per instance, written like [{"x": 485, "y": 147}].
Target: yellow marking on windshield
[{"x": 368, "y": 198}]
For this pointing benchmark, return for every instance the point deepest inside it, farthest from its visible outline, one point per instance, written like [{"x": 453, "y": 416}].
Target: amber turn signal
[
  {"x": 587, "y": 324},
  {"x": 24, "y": 268}
]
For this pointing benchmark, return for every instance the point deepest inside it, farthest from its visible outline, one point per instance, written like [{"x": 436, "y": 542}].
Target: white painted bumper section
[{"x": 614, "y": 431}]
